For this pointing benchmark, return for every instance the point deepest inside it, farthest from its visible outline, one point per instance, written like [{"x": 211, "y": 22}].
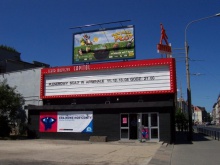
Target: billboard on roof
[{"x": 104, "y": 45}]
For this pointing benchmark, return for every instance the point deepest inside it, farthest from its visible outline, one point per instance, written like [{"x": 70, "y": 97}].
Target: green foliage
[
  {"x": 181, "y": 121},
  {"x": 209, "y": 118},
  {"x": 116, "y": 53},
  {"x": 8, "y": 48},
  {"x": 11, "y": 107},
  {"x": 4, "y": 127}
]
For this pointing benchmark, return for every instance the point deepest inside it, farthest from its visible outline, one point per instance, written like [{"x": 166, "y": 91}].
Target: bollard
[{"x": 218, "y": 135}]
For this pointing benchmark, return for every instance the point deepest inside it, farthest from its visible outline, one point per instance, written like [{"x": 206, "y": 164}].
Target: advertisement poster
[
  {"x": 104, "y": 45},
  {"x": 48, "y": 122},
  {"x": 125, "y": 120},
  {"x": 66, "y": 121}
]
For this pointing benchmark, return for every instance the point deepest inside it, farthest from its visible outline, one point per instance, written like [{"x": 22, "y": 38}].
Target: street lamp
[{"x": 188, "y": 74}]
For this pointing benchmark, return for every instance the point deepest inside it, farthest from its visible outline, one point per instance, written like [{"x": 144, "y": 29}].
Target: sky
[{"x": 40, "y": 31}]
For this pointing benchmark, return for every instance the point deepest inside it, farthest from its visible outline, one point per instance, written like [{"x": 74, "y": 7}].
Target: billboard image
[
  {"x": 66, "y": 121},
  {"x": 111, "y": 44}
]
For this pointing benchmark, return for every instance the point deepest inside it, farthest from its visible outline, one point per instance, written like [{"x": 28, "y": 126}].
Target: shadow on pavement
[
  {"x": 200, "y": 137},
  {"x": 182, "y": 138}
]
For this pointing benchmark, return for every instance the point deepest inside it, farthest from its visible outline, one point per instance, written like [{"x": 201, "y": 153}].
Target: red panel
[
  {"x": 48, "y": 122},
  {"x": 111, "y": 65},
  {"x": 41, "y": 85}
]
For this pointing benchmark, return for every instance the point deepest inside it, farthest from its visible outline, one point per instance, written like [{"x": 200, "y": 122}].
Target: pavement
[
  {"x": 70, "y": 152},
  {"x": 202, "y": 150}
]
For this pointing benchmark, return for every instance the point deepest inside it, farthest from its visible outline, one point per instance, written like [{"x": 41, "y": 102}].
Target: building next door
[{"x": 132, "y": 126}]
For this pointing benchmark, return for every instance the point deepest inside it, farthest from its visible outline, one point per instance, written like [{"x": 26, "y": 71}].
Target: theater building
[{"x": 116, "y": 100}]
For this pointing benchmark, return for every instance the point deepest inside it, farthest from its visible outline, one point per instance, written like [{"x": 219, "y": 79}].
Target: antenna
[{"x": 98, "y": 24}]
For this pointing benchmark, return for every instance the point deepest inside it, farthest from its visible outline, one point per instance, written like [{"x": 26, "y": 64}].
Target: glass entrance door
[
  {"x": 124, "y": 126},
  {"x": 154, "y": 126},
  {"x": 133, "y": 124},
  {"x": 150, "y": 122},
  {"x": 129, "y": 126},
  {"x": 145, "y": 126}
]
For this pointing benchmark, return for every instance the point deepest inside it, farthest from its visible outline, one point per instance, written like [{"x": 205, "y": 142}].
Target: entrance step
[{"x": 98, "y": 139}]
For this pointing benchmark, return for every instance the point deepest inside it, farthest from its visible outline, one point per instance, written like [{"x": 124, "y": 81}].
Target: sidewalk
[{"x": 203, "y": 150}]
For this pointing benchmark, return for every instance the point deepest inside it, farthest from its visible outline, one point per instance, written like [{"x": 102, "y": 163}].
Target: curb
[{"x": 163, "y": 155}]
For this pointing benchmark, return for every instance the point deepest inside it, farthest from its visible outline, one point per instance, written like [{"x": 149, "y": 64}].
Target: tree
[
  {"x": 8, "y": 48},
  {"x": 12, "y": 114},
  {"x": 181, "y": 121}
]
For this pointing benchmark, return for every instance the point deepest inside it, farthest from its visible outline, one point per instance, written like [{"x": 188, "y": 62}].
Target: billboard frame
[{"x": 100, "y": 30}]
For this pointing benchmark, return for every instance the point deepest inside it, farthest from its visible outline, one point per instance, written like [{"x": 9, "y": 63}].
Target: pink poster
[{"x": 125, "y": 120}]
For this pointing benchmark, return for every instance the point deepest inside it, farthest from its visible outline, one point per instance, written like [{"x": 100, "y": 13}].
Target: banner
[
  {"x": 66, "y": 121},
  {"x": 111, "y": 44}
]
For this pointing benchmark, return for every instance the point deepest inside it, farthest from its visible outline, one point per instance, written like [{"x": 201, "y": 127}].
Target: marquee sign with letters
[{"x": 154, "y": 76}]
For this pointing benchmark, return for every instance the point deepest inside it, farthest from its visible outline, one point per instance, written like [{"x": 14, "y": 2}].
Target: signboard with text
[
  {"x": 66, "y": 121},
  {"x": 102, "y": 45},
  {"x": 109, "y": 79}
]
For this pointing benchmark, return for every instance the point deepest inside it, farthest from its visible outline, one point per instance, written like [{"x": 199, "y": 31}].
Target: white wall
[{"x": 27, "y": 83}]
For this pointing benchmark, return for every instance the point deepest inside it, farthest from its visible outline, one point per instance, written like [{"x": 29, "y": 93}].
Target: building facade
[
  {"x": 217, "y": 111},
  {"x": 11, "y": 61},
  {"x": 182, "y": 105},
  {"x": 200, "y": 115},
  {"x": 27, "y": 83},
  {"x": 118, "y": 100},
  {"x": 197, "y": 115},
  {"x": 23, "y": 75}
]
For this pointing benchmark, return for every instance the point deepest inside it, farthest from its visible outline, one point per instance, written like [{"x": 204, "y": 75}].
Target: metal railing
[{"x": 214, "y": 134}]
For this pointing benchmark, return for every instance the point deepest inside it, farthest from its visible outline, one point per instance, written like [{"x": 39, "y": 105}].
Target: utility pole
[{"x": 190, "y": 137}]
